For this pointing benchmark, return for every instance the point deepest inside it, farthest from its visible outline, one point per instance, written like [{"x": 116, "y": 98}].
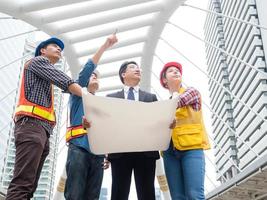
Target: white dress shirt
[{"x": 135, "y": 91}]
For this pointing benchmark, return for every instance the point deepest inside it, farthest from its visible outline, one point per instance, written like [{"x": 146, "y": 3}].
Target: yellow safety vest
[{"x": 190, "y": 132}]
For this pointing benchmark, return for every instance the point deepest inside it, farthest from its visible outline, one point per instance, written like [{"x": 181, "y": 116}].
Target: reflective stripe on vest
[
  {"x": 36, "y": 111},
  {"x": 74, "y": 132}
]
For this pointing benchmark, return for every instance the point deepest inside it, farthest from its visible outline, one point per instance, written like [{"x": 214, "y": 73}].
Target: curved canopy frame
[{"x": 81, "y": 22}]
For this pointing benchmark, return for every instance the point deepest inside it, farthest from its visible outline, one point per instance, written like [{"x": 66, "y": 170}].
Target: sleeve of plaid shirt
[
  {"x": 190, "y": 97},
  {"x": 44, "y": 69}
]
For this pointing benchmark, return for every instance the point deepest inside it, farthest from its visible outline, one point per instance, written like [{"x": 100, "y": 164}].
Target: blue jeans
[
  {"x": 185, "y": 172},
  {"x": 84, "y": 174}
]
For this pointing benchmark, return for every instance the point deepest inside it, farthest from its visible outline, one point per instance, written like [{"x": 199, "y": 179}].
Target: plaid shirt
[
  {"x": 190, "y": 97},
  {"x": 39, "y": 76}
]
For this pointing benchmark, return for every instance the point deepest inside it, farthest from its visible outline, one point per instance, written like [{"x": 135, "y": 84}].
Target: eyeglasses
[{"x": 133, "y": 66}]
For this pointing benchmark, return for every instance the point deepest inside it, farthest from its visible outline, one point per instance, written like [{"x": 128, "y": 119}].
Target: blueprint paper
[{"x": 120, "y": 125}]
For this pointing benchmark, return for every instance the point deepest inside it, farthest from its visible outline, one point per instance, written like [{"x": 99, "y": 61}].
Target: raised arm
[
  {"x": 91, "y": 64},
  {"x": 110, "y": 41}
]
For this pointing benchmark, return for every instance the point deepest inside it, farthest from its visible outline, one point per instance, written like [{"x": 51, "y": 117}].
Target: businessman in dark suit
[{"x": 142, "y": 163}]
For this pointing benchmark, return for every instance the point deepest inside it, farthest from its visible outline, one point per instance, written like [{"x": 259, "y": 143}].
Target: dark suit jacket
[{"x": 144, "y": 97}]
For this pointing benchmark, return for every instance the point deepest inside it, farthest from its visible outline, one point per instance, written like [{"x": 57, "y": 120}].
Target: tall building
[
  {"x": 11, "y": 50},
  {"x": 244, "y": 83},
  {"x": 46, "y": 182}
]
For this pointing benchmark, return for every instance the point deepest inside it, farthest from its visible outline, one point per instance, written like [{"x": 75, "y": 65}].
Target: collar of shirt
[{"x": 135, "y": 90}]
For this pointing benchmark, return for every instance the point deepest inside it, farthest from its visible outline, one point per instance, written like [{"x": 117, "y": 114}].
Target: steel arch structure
[{"x": 78, "y": 22}]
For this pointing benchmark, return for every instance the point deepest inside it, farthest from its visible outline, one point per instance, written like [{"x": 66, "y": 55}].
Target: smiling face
[
  {"x": 132, "y": 75},
  {"x": 172, "y": 74},
  {"x": 52, "y": 52}
]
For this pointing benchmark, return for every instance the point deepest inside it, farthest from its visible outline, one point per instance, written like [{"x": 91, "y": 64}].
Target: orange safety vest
[
  {"x": 190, "y": 132},
  {"x": 74, "y": 132},
  {"x": 31, "y": 109}
]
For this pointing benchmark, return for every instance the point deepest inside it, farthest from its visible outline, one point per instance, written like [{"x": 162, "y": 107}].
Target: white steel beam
[
  {"x": 122, "y": 57},
  {"x": 45, "y": 4},
  {"x": 74, "y": 64},
  {"x": 121, "y": 28},
  {"x": 75, "y": 70},
  {"x": 109, "y": 74},
  {"x": 153, "y": 35},
  {"x": 128, "y": 12},
  {"x": 9, "y": 7},
  {"x": 116, "y": 87},
  {"x": 91, "y": 8},
  {"x": 121, "y": 43}
]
